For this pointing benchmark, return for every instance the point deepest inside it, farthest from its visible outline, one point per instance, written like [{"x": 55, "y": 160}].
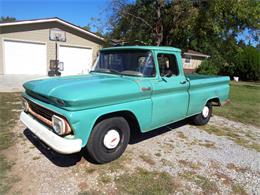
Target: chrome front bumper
[{"x": 57, "y": 143}]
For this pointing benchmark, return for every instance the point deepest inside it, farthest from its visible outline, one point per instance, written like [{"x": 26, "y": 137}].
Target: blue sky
[{"x": 78, "y": 12}]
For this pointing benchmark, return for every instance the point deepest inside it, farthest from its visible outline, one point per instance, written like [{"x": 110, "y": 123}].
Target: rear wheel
[
  {"x": 108, "y": 139},
  {"x": 203, "y": 117}
]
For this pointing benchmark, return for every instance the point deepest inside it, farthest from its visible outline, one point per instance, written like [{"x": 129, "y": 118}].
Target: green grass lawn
[
  {"x": 10, "y": 107},
  {"x": 245, "y": 103}
]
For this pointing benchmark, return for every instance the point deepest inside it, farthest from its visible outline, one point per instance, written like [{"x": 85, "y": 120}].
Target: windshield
[{"x": 126, "y": 62}]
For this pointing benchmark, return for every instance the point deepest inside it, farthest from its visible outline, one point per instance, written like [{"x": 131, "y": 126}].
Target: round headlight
[
  {"x": 25, "y": 105},
  {"x": 58, "y": 125}
]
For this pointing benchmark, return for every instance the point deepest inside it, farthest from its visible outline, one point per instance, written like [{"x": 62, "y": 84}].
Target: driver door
[{"x": 170, "y": 91}]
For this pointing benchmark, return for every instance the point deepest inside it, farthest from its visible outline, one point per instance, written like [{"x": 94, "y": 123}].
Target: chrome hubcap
[
  {"x": 111, "y": 139},
  {"x": 205, "y": 112}
]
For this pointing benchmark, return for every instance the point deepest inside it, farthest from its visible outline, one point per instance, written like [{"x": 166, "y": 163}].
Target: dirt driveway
[
  {"x": 14, "y": 83},
  {"x": 220, "y": 158}
]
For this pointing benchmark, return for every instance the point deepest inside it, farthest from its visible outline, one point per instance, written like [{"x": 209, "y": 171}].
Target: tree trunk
[{"x": 159, "y": 23}]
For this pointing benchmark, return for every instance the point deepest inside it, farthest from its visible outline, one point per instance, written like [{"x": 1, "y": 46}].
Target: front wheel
[
  {"x": 108, "y": 139},
  {"x": 203, "y": 117}
]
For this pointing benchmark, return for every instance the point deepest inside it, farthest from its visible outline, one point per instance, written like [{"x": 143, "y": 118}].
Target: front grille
[
  {"x": 41, "y": 110},
  {"x": 44, "y": 116}
]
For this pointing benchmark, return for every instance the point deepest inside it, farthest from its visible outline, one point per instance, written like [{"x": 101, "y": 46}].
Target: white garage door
[
  {"x": 24, "y": 58},
  {"x": 76, "y": 60}
]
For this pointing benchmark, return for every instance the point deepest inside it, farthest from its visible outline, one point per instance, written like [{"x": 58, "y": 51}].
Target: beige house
[
  {"x": 39, "y": 47},
  {"x": 192, "y": 59}
]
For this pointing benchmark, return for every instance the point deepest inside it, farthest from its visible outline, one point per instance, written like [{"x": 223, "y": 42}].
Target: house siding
[
  {"x": 40, "y": 33},
  {"x": 194, "y": 63}
]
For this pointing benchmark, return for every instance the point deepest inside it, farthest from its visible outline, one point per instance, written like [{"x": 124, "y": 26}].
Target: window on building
[{"x": 187, "y": 59}]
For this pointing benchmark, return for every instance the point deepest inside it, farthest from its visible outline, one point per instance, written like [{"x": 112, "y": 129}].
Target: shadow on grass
[{"x": 67, "y": 160}]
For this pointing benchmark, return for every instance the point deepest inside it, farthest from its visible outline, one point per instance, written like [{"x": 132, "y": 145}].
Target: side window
[{"x": 168, "y": 65}]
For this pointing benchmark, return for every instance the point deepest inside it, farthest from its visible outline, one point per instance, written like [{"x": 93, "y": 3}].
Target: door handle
[
  {"x": 146, "y": 88},
  {"x": 183, "y": 82}
]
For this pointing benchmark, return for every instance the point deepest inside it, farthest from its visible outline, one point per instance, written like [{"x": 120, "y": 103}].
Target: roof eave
[
  {"x": 198, "y": 55},
  {"x": 53, "y": 20}
]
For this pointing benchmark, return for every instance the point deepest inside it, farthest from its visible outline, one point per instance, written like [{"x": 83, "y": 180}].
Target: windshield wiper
[
  {"x": 114, "y": 71},
  {"x": 107, "y": 70}
]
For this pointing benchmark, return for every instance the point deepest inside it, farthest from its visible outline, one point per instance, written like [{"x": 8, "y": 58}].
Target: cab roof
[{"x": 161, "y": 48}]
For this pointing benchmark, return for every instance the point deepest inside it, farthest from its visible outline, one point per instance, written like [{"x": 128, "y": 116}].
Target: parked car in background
[{"x": 131, "y": 88}]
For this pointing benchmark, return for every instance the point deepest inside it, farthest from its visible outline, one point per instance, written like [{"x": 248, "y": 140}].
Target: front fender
[{"x": 84, "y": 120}]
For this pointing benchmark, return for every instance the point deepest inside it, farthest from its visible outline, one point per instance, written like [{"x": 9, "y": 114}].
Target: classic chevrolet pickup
[{"x": 131, "y": 88}]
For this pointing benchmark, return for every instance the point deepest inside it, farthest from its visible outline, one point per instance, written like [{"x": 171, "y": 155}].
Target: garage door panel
[
  {"x": 25, "y": 58},
  {"x": 77, "y": 60}
]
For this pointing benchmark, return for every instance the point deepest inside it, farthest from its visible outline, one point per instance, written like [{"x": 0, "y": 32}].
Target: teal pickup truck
[{"x": 131, "y": 88}]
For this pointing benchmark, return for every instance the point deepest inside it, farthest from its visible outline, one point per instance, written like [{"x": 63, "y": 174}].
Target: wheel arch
[
  {"x": 127, "y": 115},
  {"x": 215, "y": 101}
]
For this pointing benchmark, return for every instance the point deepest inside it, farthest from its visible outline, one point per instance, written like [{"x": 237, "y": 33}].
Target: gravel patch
[{"x": 200, "y": 162}]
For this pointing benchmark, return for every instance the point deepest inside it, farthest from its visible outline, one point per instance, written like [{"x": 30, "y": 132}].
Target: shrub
[
  {"x": 207, "y": 68},
  {"x": 247, "y": 65},
  {"x": 211, "y": 66},
  {"x": 228, "y": 70}
]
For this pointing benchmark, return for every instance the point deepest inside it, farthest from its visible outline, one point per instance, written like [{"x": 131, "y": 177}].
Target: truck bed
[
  {"x": 198, "y": 79},
  {"x": 205, "y": 87},
  {"x": 199, "y": 76}
]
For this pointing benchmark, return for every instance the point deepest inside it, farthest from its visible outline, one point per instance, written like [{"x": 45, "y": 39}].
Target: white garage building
[{"x": 34, "y": 47}]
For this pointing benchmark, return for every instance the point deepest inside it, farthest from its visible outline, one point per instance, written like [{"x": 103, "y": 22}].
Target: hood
[{"x": 87, "y": 91}]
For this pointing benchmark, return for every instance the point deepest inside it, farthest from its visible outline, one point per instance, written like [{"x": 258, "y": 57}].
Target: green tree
[
  {"x": 202, "y": 25},
  {"x": 212, "y": 65},
  {"x": 153, "y": 22},
  {"x": 87, "y": 27},
  {"x": 248, "y": 64},
  {"x": 7, "y": 19},
  {"x": 211, "y": 27},
  {"x": 245, "y": 65},
  {"x": 97, "y": 25}
]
